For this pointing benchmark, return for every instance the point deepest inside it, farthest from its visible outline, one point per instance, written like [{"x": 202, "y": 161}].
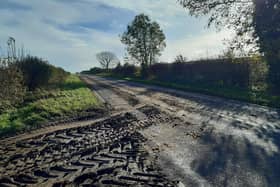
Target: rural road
[
  {"x": 153, "y": 137},
  {"x": 209, "y": 141}
]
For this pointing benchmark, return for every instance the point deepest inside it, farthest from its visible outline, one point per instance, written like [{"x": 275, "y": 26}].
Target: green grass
[
  {"x": 261, "y": 98},
  {"x": 41, "y": 106}
]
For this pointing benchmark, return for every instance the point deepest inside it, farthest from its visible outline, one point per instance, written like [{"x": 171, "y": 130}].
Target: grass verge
[
  {"x": 260, "y": 98},
  {"x": 45, "y": 105}
]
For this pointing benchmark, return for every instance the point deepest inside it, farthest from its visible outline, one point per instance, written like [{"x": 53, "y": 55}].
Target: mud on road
[
  {"x": 154, "y": 137},
  {"x": 108, "y": 153},
  {"x": 210, "y": 141}
]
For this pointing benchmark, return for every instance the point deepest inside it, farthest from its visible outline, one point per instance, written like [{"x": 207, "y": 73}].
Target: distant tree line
[
  {"x": 244, "y": 73},
  {"x": 127, "y": 70}
]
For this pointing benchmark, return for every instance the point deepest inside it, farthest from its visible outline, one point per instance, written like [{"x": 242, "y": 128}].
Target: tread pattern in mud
[
  {"x": 154, "y": 115},
  {"x": 107, "y": 153}
]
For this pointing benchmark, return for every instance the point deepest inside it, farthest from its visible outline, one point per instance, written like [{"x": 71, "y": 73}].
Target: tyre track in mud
[
  {"x": 202, "y": 112},
  {"x": 196, "y": 104},
  {"x": 210, "y": 141},
  {"x": 106, "y": 153},
  {"x": 149, "y": 134}
]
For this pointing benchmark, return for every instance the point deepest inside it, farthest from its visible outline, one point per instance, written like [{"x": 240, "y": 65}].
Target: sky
[{"x": 69, "y": 33}]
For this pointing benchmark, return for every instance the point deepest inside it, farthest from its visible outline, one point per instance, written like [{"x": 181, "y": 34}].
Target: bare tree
[
  {"x": 107, "y": 59},
  {"x": 12, "y": 89},
  {"x": 180, "y": 59},
  {"x": 11, "y": 43}
]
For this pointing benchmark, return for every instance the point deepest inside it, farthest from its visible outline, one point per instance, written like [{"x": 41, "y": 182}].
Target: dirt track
[{"x": 155, "y": 137}]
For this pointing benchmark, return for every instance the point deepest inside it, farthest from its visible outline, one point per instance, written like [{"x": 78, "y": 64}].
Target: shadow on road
[{"x": 237, "y": 161}]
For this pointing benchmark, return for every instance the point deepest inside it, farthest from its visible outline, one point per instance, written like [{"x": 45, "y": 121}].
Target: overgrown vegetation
[
  {"x": 39, "y": 73},
  {"x": 34, "y": 92},
  {"x": 19, "y": 75},
  {"x": 47, "y": 104},
  {"x": 12, "y": 89}
]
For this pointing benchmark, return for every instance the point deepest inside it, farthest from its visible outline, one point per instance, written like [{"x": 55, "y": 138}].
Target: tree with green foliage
[
  {"x": 107, "y": 59},
  {"x": 256, "y": 22},
  {"x": 144, "y": 40},
  {"x": 267, "y": 29}
]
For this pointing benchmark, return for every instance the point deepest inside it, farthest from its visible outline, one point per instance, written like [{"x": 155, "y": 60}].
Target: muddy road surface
[
  {"x": 153, "y": 137},
  {"x": 110, "y": 152},
  {"x": 208, "y": 141}
]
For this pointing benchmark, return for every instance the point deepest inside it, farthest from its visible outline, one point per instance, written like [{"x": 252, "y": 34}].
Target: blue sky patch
[
  {"x": 10, "y": 5},
  {"x": 69, "y": 33}
]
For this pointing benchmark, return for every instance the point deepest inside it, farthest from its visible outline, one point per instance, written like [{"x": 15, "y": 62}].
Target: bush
[
  {"x": 39, "y": 73},
  {"x": 125, "y": 70},
  {"x": 94, "y": 70},
  {"x": 58, "y": 75},
  {"x": 202, "y": 72},
  {"x": 36, "y": 72},
  {"x": 68, "y": 100}
]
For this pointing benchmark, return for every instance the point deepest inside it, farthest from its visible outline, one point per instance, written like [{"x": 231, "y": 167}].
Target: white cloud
[
  {"x": 207, "y": 44},
  {"x": 158, "y": 8},
  {"x": 165, "y": 12},
  {"x": 41, "y": 29},
  {"x": 72, "y": 50}
]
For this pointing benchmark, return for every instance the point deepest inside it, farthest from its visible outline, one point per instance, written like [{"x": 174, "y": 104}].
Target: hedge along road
[{"x": 209, "y": 141}]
